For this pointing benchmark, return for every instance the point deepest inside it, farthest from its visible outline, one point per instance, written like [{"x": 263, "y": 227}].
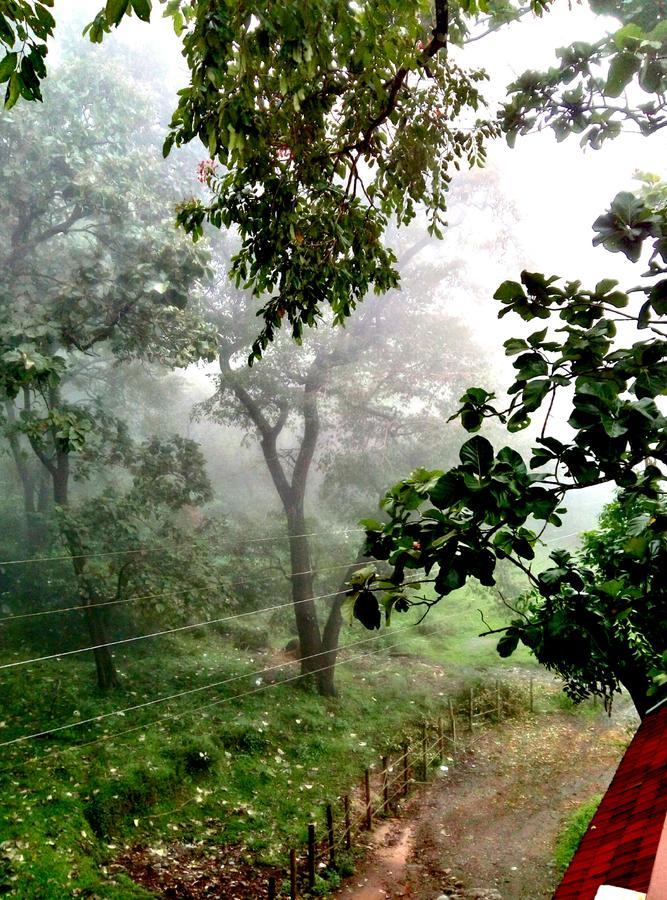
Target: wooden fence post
[
  {"x": 452, "y": 717},
  {"x": 471, "y": 709},
  {"x": 385, "y": 784},
  {"x": 292, "y": 874},
  {"x": 348, "y": 827},
  {"x": 272, "y": 888},
  {"x": 499, "y": 709},
  {"x": 367, "y": 791},
  {"x": 441, "y": 738},
  {"x": 311, "y": 855},
  {"x": 406, "y": 770},
  {"x": 330, "y": 836},
  {"x": 424, "y": 740}
]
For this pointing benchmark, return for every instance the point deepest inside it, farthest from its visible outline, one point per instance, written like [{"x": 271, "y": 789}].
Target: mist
[{"x": 177, "y": 525}]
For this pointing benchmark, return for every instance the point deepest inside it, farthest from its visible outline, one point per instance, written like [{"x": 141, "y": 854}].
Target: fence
[{"x": 381, "y": 788}]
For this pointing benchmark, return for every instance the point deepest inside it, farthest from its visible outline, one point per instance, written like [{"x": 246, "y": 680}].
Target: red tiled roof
[{"x": 620, "y": 845}]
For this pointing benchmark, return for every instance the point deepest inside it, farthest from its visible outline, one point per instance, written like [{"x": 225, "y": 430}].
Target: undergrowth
[{"x": 248, "y": 772}]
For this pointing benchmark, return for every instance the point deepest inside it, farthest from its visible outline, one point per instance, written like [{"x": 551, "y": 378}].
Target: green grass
[
  {"x": 573, "y": 831},
  {"x": 250, "y": 772}
]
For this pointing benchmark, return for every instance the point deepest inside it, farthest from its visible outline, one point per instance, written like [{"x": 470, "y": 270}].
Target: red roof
[{"x": 621, "y": 843}]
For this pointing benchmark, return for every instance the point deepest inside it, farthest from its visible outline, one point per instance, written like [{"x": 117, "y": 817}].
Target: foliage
[
  {"x": 586, "y": 92},
  {"x": 458, "y": 523},
  {"x": 271, "y": 765},
  {"x": 25, "y": 27},
  {"x": 90, "y": 262}
]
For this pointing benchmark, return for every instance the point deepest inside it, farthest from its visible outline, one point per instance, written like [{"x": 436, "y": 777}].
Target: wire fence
[{"x": 383, "y": 787}]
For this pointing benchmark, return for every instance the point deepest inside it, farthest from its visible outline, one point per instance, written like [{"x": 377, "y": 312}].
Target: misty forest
[{"x": 333, "y": 531}]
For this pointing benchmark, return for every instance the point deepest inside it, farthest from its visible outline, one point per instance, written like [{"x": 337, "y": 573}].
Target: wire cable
[
  {"x": 206, "y": 687},
  {"x": 62, "y": 609},
  {"x": 68, "y": 556},
  {"x": 143, "y": 637},
  {"x": 197, "y": 709}
]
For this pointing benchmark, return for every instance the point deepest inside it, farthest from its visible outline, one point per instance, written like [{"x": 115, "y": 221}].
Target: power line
[
  {"x": 139, "y": 550},
  {"x": 221, "y": 701},
  {"x": 143, "y": 637},
  {"x": 62, "y": 609},
  {"x": 206, "y": 687},
  {"x": 562, "y": 537}
]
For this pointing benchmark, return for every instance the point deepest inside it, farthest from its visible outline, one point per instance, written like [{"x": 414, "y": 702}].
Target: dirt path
[{"x": 487, "y": 828}]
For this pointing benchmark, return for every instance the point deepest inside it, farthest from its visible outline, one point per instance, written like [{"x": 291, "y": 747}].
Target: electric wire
[
  {"x": 121, "y": 712},
  {"x": 139, "y": 550},
  {"x": 175, "y": 593},
  {"x": 179, "y": 628},
  {"x": 179, "y": 715}
]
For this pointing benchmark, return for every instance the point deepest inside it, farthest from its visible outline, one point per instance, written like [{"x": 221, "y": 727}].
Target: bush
[
  {"x": 194, "y": 755},
  {"x": 251, "y": 639},
  {"x": 127, "y": 797}
]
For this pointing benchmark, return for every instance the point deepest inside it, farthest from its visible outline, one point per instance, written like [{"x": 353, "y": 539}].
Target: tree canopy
[{"x": 458, "y": 523}]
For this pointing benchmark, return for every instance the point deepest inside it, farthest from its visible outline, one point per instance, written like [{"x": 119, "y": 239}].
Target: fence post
[
  {"x": 348, "y": 827},
  {"x": 385, "y": 784},
  {"x": 499, "y": 710},
  {"x": 272, "y": 888},
  {"x": 311, "y": 855},
  {"x": 530, "y": 695},
  {"x": 424, "y": 741},
  {"x": 292, "y": 874},
  {"x": 330, "y": 836},
  {"x": 367, "y": 791},
  {"x": 471, "y": 709},
  {"x": 441, "y": 738},
  {"x": 452, "y": 716},
  {"x": 406, "y": 770}
]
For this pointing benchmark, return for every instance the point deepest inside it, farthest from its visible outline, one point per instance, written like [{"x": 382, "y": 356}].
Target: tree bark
[
  {"x": 637, "y": 683},
  {"x": 292, "y": 492},
  {"x": 33, "y": 524},
  {"x": 59, "y": 468},
  {"x": 331, "y": 634}
]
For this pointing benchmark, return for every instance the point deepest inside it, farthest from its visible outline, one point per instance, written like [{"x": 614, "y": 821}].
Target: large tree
[
  {"x": 599, "y": 627},
  {"x": 362, "y": 391},
  {"x": 92, "y": 272}
]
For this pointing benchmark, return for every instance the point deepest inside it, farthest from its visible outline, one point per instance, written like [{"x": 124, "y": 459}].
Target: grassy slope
[{"x": 251, "y": 772}]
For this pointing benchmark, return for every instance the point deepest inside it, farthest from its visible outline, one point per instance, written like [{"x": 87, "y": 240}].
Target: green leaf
[
  {"x": 142, "y": 9},
  {"x": 477, "y": 454},
  {"x": 622, "y": 69},
  {"x": 13, "y": 90},
  {"x": 115, "y": 10},
  {"x": 658, "y": 297},
  {"x": 367, "y": 610},
  {"x": 7, "y": 66},
  {"x": 508, "y": 643},
  {"x": 514, "y": 346}
]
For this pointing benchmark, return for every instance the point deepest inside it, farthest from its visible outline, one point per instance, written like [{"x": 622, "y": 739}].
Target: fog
[
  {"x": 388, "y": 390},
  {"x": 151, "y": 482}
]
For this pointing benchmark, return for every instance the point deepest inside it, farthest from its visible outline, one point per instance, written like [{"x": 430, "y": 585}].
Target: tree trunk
[
  {"x": 331, "y": 634},
  {"x": 107, "y": 677},
  {"x": 637, "y": 683},
  {"x": 292, "y": 492},
  {"x": 35, "y": 536},
  {"x": 305, "y": 613}
]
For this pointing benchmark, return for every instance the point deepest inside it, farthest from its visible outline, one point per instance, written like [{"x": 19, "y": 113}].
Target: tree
[
  {"x": 458, "y": 523},
  {"x": 92, "y": 273},
  {"x": 326, "y": 121},
  {"x": 352, "y": 391}
]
